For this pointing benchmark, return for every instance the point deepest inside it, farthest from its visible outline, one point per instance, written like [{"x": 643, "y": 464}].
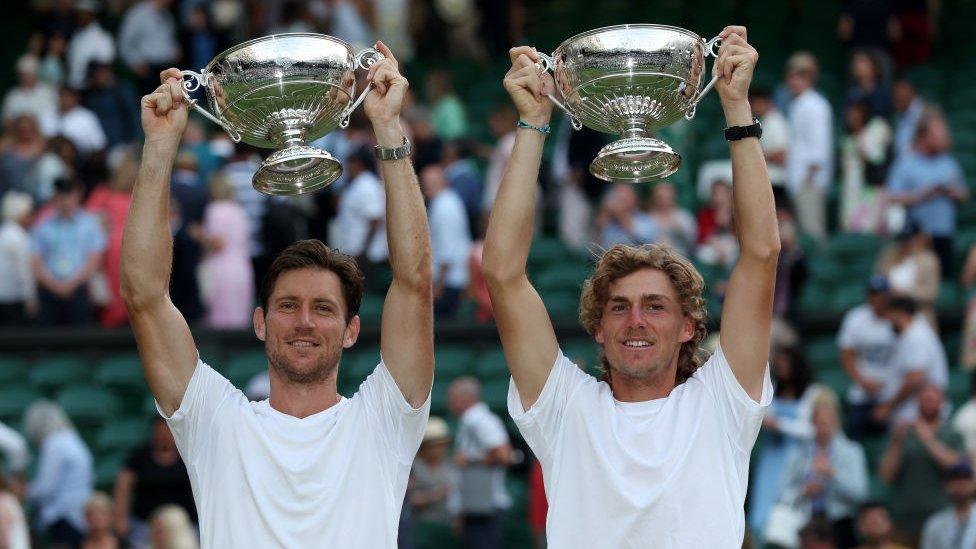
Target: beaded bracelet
[{"x": 541, "y": 129}]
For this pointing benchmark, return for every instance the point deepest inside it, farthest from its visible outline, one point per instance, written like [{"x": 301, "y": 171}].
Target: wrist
[
  {"x": 165, "y": 146},
  {"x": 535, "y": 119},
  {"x": 737, "y": 113},
  {"x": 388, "y": 133}
]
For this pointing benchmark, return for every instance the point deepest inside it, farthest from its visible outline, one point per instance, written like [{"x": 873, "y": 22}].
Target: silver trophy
[
  {"x": 631, "y": 80},
  {"x": 282, "y": 92}
]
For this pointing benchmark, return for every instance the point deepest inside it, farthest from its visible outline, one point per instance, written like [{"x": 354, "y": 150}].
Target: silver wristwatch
[{"x": 396, "y": 153}]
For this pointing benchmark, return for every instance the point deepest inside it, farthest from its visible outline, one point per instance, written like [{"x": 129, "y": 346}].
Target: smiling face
[
  {"x": 304, "y": 328},
  {"x": 642, "y": 326}
]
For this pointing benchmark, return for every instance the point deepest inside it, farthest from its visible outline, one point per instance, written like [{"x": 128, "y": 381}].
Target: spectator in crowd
[
  {"x": 874, "y": 527},
  {"x": 18, "y": 290},
  {"x": 929, "y": 183},
  {"x": 828, "y": 473},
  {"x": 110, "y": 202},
  {"x": 464, "y": 179},
  {"x": 31, "y": 96},
  {"x": 90, "y": 43},
  {"x": 450, "y": 240},
  {"x": 78, "y": 124},
  {"x": 184, "y": 288},
  {"x": 502, "y": 125},
  {"x": 817, "y": 534},
  {"x": 115, "y": 105},
  {"x": 147, "y": 41},
  {"x": 955, "y": 526},
  {"x": 867, "y": 85},
  {"x": 482, "y": 452},
  {"x": 918, "y": 358},
  {"x": 964, "y": 421},
  {"x": 433, "y": 492},
  {"x": 967, "y": 280},
  {"x": 914, "y": 32},
  {"x": 478, "y": 286},
  {"x": 14, "y": 532},
  {"x": 788, "y": 423},
  {"x": 240, "y": 169},
  {"x": 362, "y": 212},
  {"x": 866, "y": 24},
  {"x": 912, "y": 268},
  {"x": 197, "y": 39},
  {"x": 447, "y": 114},
  {"x": 14, "y": 457},
  {"x": 170, "y": 528},
  {"x": 226, "y": 278},
  {"x": 98, "y": 517},
  {"x": 152, "y": 477},
  {"x": 68, "y": 248},
  {"x": 864, "y": 159},
  {"x": 675, "y": 225},
  {"x": 810, "y": 158},
  {"x": 350, "y": 22},
  {"x": 791, "y": 269},
  {"x": 908, "y": 112},
  {"x": 918, "y": 454},
  {"x": 427, "y": 144},
  {"x": 57, "y": 17},
  {"x": 538, "y": 505},
  {"x": 51, "y": 70},
  {"x": 775, "y": 136},
  {"x": 65, "y": 473},
  {"x": 20, "y": 158},
  {"x": 620, "y": 221},
  {"x": 717, "y": 214},
  {"x": 866, "y": 341},
  {"x": 58, "y": 161}
]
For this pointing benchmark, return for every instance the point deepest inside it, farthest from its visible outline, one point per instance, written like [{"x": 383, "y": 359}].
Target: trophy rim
[
  {"x": 222, "y": 55},
  {"x": 626, "y": 26}
]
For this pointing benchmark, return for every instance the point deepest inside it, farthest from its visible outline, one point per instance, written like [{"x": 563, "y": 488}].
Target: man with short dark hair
[
  {"x": 954, "y": 526},
  {"x": 307, "y": 467},
  {"x": 874, "y": 527}
]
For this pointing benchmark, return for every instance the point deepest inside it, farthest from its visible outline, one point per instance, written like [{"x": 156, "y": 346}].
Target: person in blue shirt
[
  {"x": 67, "y": 252},
  {"x": 929, "y": 182}
]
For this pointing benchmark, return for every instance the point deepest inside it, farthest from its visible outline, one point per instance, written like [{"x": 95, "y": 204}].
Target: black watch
[{"x": 736, "y": 133}]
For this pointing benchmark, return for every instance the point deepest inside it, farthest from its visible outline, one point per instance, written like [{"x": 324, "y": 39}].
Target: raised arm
[
  {"x": 523, "y": 322},
  {"x": 747, "y": 312},
  {"x": 166, "y": 347},
  {"x": 407, "y": 331}
]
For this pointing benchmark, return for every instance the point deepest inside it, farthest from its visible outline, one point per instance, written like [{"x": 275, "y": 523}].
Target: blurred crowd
[{"x": 881, "y": 156}]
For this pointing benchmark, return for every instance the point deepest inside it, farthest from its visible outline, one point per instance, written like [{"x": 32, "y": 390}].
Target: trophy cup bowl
[
  {"x": 631, "y": 80},
  {"x": 282, "y": 92}
]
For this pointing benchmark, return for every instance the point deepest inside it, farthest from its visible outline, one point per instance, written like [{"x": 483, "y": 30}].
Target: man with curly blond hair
[{"x": 657, "y": 453}]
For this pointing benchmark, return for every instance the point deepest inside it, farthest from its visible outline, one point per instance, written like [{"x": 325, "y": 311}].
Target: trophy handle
[
  {"x": 191, "y": 82},
  {"x": 710, "y": 49},
  {"x": 362, "y": 60},
  {"x": 547, "y": 64}
]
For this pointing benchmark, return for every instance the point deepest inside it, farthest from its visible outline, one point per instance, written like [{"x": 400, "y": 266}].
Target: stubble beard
[{"x": 323, "y": 368}]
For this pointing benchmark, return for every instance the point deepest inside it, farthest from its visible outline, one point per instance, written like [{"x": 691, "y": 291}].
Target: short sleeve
[
  {"x": 399, "y": 425},
  {"x": 914, "y": 356},
  {"x": 845, "y": 336},
  {"x": 97, "y": 242},
  {"x": 192, "y": 422},
  {"x": 741, "y": 414},
  {"x": 491, "y": 432},
  {"x": 896, "y": 184},
  {"x": 372, "y": 202},
  {"x": 544, "y": 419}
]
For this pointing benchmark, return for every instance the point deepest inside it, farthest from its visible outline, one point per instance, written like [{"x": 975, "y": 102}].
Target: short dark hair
[
  {"x": 871, "y": 505},
  {"x": 903, "y": 304},
  {"x": 314, "y": 254},
  {"x": 819, "y": 529},
  {"x": 64, "y": 185}
]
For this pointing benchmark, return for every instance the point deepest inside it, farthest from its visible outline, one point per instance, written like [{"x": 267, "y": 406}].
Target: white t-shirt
[
  {"x": 918, "y": 348},
  {"x": 811, "y": 142},
  {"x": 262, "y": 478},
  {"x": 775, "y": 137},
  {"x": 362, "y": 202},
  {"x": 480, "y": 431},
  {"x": 872, "y": 339},
  {"x": 665, "y": 473},
  {"x": 450, "y": 238}
]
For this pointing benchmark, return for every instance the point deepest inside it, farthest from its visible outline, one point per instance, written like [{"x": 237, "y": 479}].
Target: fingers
[
  {"x": 166, "y": 97},
  {"x": 386, "y": 76},
  {"x": 170, "y": 73},
  {"x": 519, "y": 51},
  {"x": 733, "y": 29},
  {"x": 387, "y": 53}
]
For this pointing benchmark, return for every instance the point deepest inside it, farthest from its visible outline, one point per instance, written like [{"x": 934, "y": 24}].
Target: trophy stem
[
  {"x": 634, "y": 130},
  {"x": 293, "y": 137}
]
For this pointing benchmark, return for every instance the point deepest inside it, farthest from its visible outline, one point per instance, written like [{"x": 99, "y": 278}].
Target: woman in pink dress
[
  {"x": 110, "y": 202},
  {"x": 226, "y": 276}
]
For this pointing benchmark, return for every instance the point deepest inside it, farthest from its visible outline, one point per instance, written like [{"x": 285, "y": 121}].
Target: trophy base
[
  {"x": 635, "y": 160},
  {"x": 296, "y": 170}
]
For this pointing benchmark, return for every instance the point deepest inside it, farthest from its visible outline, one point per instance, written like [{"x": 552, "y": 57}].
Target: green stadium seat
[
  {"x": 952, "y": 342},
  {"x": 355, "y": 367},
  {"x": 584, "y": 352},
  {"x": 122, "y": 436},
  {"x": 546, "y": 251},
  {"x": 494, "y": 393},
  {"x": 89, "y": 405},
  {"x": 562, "y": 306},
  {"x": 371, "y": 309},
  {"x": 949, "y": 298},
  {"x": 244, "y": 366},
  {"x": 122, "y": 373},
  {"x": 563, "y": 277},
  {"x": 438, "y": 397},
  {"x": 959, "y": 383},
  {"x": 491, "y": 364},
  {"x": 51, "y": 374},
  {"x": 837, "y": 380},
  {"x": 14, "y": 401},
  {"x": 847, "y": 297},
  {"x": 12, "y": 370},
  {"x": 454, "y": 360},
  {"x": 432, "y": 535},
  {"x": 107, "y": 468},
  {"x": 822, "y": 353}
]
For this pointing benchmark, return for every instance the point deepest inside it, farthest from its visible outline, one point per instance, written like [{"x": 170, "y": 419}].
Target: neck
[
  {"x": 302, "y": 399},
  {"x": 962, "y": 508},
  {"x": 631, "y": 389}
]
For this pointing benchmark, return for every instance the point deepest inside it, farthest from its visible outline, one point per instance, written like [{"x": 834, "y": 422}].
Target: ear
[
  {"x": 598, "y": 335},
  {"x": 257, "y": 319},
  {"x": 687, "y": 331},
  {"x": 352, "y": 332}
]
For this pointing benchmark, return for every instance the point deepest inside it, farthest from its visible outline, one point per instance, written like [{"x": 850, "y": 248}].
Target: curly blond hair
[{"x": 622, "y": 260}]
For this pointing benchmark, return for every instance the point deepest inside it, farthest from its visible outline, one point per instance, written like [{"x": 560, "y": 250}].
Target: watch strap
[
  {"x": 736, "y": 133},
  {"x": 395, "y": 153}
]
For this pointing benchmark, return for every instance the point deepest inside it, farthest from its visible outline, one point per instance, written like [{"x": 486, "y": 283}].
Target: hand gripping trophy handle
[
  {"x": 363, "y": 60},
  {"x": 191, "y": 82},
  {"x": 546, "y": 64},
  {"x": 710, "y": 49}
]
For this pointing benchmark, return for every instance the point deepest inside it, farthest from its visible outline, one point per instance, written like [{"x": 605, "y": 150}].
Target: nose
[
  {"x": 636, "y": 317},
  {"x": 306, "y": 318}
]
